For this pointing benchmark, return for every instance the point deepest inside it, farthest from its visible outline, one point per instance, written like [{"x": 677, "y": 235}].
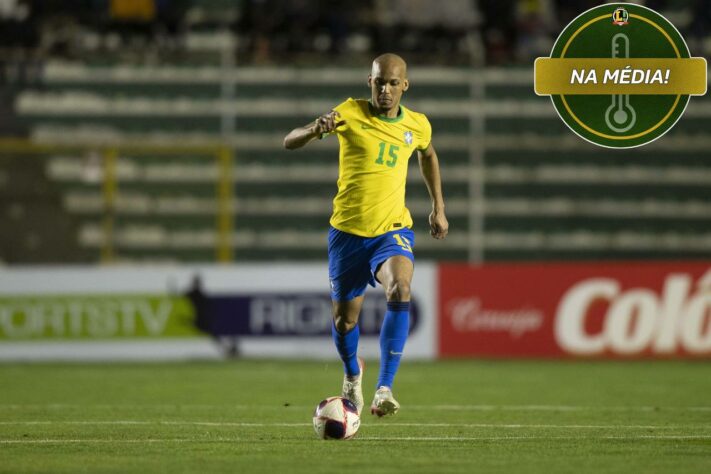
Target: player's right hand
[{"x": 327, "y": 123}]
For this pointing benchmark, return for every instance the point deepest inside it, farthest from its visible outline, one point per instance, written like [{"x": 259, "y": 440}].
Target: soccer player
[{"x": 370, "y": 239}]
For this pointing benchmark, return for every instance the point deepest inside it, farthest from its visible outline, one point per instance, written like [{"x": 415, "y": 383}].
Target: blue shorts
[{"x": 353, "y": 261}]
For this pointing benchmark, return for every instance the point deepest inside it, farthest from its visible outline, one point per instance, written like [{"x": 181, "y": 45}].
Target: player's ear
[
  {"x": 405, "y": 85},
  {"x": 370, "y": 80}
]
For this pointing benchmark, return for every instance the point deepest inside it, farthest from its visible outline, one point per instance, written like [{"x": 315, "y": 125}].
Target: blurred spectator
[
  {"x": 699, "y": 30},
  {"x": 536, "y": 26},
  {"x": 201, "y": 305},
  {"x": 569, "y": 9},
  {"x": 499, "y": 31},
  {"x": 275, "y": 31},
  {"x": 132, "y": 10},
  {"x": 432, "y": 29},
  {"x": 19, "y": 39},
  {"x": 259, "y": 23},
  {"x": 17, "y": 30}
]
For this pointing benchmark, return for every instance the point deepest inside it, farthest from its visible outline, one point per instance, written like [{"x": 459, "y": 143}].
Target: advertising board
[
  {"x": 609, "y": 310},
  {"x": 274, "y": 310}
]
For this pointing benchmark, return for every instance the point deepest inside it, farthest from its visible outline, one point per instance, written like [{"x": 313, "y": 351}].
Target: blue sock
[
  {"x": 393, "y": 335},
  {"x": 347, "y": 345}
]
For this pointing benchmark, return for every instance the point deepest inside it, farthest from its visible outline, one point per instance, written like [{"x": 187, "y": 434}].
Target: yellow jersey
[{"x": 372, "y": 171}]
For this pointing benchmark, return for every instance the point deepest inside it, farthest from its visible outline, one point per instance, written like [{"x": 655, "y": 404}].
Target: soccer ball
[{"x": 336, "y": 418}]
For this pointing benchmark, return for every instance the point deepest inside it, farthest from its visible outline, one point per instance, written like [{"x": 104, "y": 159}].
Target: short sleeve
[
  {"x": 344, "y": 109},
  {"x": 426, "y": 135}
]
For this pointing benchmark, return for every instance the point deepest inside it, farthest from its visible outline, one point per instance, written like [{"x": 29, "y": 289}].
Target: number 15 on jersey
[{"x": 392, "y": 152}]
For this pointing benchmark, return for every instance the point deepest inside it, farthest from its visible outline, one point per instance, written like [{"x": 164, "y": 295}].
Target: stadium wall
[{"x": 571, "y": 310}]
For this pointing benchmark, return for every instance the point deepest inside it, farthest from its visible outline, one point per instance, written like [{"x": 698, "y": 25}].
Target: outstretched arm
[
  {"x": 429, "y": 167},
  {"x": 303, "y": 135}
]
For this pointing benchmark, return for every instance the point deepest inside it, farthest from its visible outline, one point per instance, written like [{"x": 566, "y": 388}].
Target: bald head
[
  {"x": 390, "y": 61},
  {"x": 387, "y": 81}
]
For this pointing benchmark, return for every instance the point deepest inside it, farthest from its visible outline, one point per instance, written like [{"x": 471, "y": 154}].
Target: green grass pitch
[{"x": 456, "y": 416}]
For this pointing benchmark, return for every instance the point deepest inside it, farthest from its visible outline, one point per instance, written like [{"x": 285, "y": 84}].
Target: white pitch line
[
  {"x": 545, "y": 426},
  {"x": 363, "y": 438},
  {"x": 374, "y": 425},
  {"x": 514, "y": 438},
  {"x": 147, "y": 440},
  {"x": 168, "y": 423},
  {"x": 552, "y": 408},
  {"x": 413, "y": 407},
  {"x": 63, "y": 406}
]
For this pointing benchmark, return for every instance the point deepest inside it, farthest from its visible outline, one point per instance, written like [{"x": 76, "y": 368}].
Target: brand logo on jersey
[
  {"x": 620, "y": 17},
  {"x": 408, "y": 137}
]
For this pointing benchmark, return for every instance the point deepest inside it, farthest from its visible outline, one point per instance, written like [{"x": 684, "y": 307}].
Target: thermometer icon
[{"x": 620, "y": 116}]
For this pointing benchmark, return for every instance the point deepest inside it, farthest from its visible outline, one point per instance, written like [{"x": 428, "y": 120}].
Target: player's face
[{"x": 387, "y": 83}]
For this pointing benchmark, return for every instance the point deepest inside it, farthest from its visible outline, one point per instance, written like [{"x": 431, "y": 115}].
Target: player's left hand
[{"x": 438, "y": 225}]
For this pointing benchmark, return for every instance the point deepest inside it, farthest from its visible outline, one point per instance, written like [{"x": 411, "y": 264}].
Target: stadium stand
[
  {"x": 518, "y": 184},
  {"x": 510, "y": 167}
]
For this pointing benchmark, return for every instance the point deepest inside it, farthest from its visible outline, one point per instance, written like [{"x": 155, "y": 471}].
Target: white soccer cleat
[
  {"x": 384, "y": 403},
  {"x": 353, "y": 389}
]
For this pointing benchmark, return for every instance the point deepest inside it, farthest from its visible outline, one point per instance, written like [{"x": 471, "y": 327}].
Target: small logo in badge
[
  {"x": 620, "y": 17},
  {"x": 408, "y": 137}
]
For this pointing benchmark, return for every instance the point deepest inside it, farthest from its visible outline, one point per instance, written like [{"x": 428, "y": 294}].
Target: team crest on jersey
[{"x": 408, "y": 137}]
